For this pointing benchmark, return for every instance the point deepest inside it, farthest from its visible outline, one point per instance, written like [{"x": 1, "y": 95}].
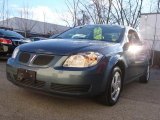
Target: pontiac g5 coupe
[{"x": 90, "y": 60}]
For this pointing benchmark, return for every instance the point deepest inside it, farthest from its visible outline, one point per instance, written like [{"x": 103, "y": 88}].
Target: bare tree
[
  {"x": 98, "y": 10},
  {"x": 123, "y": 12},
  {"x": 158, "y": 2},
  {"x": 45, "y": 27},
  {"x": 93, "y": 11},
  {"x": 26, "y": 24},
  {"x": 114, "y": 11},
  {"x": 4, "y": 13},
  {"x": 152, "y": 6},
  {"x": 44, "y": 22},
  {"x": 83, "y": 18},
  {"x": 109, "y": 11},
  {"x": 127, "y": 12},
  {"x": 73, "y": 9}
]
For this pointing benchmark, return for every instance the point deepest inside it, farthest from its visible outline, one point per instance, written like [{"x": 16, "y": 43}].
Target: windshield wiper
[
  {"x": 79, "y": 38},
  {"x": 58, "y": 37}
]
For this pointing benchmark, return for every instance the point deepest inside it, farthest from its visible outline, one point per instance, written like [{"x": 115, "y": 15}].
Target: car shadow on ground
[
  {"x": 134, "y": 99},
  {"x": 144, "y": 92},
  {"x": 76, "y": 101},
  {"x": 134, "y": 91},
  {"x": 58, "y": 99}
]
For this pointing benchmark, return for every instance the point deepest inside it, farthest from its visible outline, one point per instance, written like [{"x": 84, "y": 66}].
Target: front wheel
[{"x": 113, "y": 89}]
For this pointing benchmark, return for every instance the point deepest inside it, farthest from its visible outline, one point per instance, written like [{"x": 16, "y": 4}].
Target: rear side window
[{"x": 133, "y": 37}]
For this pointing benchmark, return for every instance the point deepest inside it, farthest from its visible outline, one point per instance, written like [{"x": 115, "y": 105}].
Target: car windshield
[
  {"x": 9, "y": 33},
  {"x": 94, "y": 32},
  {"x": 53, "y": 36}
]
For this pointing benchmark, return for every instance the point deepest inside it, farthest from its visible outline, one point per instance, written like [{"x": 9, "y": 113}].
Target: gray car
[{"x": 90, "y": 60}]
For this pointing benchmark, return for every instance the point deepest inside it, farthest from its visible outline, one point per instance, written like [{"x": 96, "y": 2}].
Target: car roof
[
  {"x": 110, "y": 25},
  {"x": 105, "y": 25}
]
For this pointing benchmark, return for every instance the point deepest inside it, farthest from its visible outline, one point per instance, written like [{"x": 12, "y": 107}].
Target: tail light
[{"x": 5, "y": 41}]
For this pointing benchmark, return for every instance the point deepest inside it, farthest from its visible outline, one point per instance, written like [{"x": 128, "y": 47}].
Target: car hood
[{"x": 67, "y": 46}]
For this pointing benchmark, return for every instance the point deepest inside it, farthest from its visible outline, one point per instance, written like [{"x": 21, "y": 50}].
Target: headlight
[
  {"x": 82, "y": 60},
  {"x": 15, "y": 52}
]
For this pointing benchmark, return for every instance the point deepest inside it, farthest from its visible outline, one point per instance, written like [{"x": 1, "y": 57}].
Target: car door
[
  {"x": 141, "y": 57},
  {"x": 137, "y": 55}
]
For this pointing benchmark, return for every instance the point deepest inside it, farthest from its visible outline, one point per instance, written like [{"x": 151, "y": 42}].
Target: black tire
[
  {"x": 145, "y": 77},
  {"x": 107, "y": 97}
]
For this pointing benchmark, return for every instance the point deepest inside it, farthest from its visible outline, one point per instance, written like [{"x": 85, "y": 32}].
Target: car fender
[{"x": 112, "y": 61}]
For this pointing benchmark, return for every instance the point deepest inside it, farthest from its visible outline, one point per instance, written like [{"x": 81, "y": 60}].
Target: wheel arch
[
  {"x": 121, "y": 65},
  {"x": 113, "y": 62}
]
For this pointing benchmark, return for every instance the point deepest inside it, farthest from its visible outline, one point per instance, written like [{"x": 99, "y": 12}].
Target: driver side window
[{"x": 133, "y": 37}]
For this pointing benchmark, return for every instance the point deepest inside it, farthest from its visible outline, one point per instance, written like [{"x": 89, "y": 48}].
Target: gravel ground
[{"x": 137, "y": 102}]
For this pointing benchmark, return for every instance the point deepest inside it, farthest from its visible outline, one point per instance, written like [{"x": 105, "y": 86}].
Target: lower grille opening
[
  {"x": 27, "y": 82},
  {"x": 37, "y": 83},
  {"x": 70, "y": 88}
]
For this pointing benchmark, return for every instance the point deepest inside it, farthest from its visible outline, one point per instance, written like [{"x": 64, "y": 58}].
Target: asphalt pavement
[{"x": 137, "y": 102}]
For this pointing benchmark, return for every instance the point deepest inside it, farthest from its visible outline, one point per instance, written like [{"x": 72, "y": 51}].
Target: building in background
[
  {"x": 150, "y": 31},
  {"x": 32, "y": 28}
]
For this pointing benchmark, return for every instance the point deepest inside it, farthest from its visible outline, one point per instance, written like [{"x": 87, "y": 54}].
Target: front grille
[
  {"x": 42, "y": 60},
  {"x": 35, "y": 59},
  {"x": 24, "y": 57},
  {"x": 70, "y": 88}
]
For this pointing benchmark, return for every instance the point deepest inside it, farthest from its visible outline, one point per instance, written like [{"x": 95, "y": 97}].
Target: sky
[{"x": 53, "y": 10}]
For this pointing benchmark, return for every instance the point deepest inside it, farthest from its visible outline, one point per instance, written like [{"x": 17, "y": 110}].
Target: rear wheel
[
  {"x": 146, "y": 75},
  {"x": 113, "y": 89}
]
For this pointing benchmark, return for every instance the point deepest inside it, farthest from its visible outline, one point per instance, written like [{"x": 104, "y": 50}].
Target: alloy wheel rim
[{"x": 116, "y": 86}]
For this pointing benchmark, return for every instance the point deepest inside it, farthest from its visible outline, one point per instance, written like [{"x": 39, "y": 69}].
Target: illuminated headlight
[
  {"x": 82, "y": 60},
  {"x": 15, "y": 52},
  {"x": 134, "y": 49}
]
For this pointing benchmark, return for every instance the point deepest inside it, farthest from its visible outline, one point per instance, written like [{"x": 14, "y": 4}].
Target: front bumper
[{"x": 88, "y": 81}]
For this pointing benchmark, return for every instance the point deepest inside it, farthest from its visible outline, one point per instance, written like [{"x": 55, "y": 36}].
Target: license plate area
[
  {"x": 23, "y": 74},
  {"x": 5, "y": 48}
]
